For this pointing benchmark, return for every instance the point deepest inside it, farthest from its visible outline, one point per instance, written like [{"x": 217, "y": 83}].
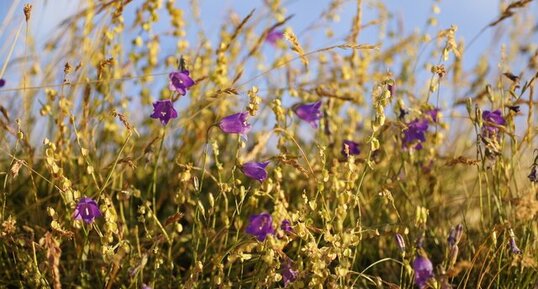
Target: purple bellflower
[
  {"x": 455, "y": 235},
  {"x": 274, "y": 36},
  {"x": 286, "y": 226},
  {"x": 260, "y": 226},
  {"x": 2, "y": 82},
  {"x": 288, "y": 274},
  {"x": 235, "y": 123},
  {"x": 423, "y": 268},
  {"x": 352, "y": 148},
  {"x": 492, "y": 121},
  {"x": 415, "y": 133},
  {"x": 164, "y": 110},
  {"x": 87, "y": 210},
  {"x": 400, "y": 242},
  {"x": 255, "y": 171},
  {"x": 513, "y": 247},
  {"x": 309, "y": 112},
  {"x": 180, "y": 81}
]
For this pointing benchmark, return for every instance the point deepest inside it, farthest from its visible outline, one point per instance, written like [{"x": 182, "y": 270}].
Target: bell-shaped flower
[
  {"x": 309, "y": 112},
  {"x": 350, "y": 148},
  {"x": 423, "y": 268},
  {"x": 164, "y": 111},
  {"x": 260, "y": 226},
  {"x": 87, "y": 210},
  {"x": 235, "y": 123},
  {"x": 255, "y": 171},
  {"x": 274, "y": 36},
  {"x": 180, "y": 81}
]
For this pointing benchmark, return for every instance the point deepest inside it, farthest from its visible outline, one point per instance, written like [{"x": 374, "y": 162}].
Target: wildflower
[
  {"x": 455, "y": 235},
  {"x": 415, "y": 133},
  {"x": 235, "y": 123},
  {"x": 87, "y": 210},
  {"x": 492, "y": 121},
  {"x": 273, "y": 36},
  {"x": 8, "y": 226},
  {"x": 512, "y": 243},
  {"x": 513, "y": 246},
  {"x": 433, "y": 114},
  {"x": 352, "y": 148},
  {"x": 423, "y": 268},
  {"x": 533, "y": 177},
  {"x": 180, "y": 81},
  {"x": 255, "y": 171},
  {"x": 288, "y": 274},
  {"x": 144, "y": 286},
  {"x": 286, "y": 226},
  {"x": 260, "y": 226},
  {"x": 164, "y": 110},
  {"x": 2, "y": 82},
  {"x": 400, "y": 242},
  {"x": 308, "y": 112}
]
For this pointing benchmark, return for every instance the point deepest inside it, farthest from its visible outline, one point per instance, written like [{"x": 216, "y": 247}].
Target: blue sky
[{"x": 469, "y": 15}]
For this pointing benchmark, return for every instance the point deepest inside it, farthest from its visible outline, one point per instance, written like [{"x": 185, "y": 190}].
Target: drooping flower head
[
  {"x": 492, "y": 121},
  {"x": 352, "y": 148},
  {"x": 286, "y": 226},
  {"x": 455, "y": 235},
  {"x": 423, "y": 268},
  {"x": 273, "y": 36},
  {"x": 255, "y": 171},
  {"x": 235, "y": 123},
  {"x": 164, "y": 110},
  {"x": 260, "y": 226},
  {"x": 400, "y": 242},
  {"x": 288, "y": 274},
  {"x": 180, "y": 81},
  {"x": 415, "y": 133},
  {"x": 309, "y": 112},
  {"x": 87, "y": 210},
  {"x": 2, "y": 82},
  {"x": 513, "y": 246}
]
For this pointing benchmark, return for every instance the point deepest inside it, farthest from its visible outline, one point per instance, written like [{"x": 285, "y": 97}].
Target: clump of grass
[{"x": 266, "y": 160}]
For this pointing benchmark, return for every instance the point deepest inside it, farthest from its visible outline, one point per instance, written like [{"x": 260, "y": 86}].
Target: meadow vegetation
[{"x": 138, "y": 150}]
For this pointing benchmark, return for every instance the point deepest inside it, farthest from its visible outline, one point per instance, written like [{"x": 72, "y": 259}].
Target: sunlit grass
[{"x": 396, "y": 162}]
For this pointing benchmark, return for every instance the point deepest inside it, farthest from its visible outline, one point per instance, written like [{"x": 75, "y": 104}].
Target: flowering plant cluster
[{"x": 148, "y": 144}]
